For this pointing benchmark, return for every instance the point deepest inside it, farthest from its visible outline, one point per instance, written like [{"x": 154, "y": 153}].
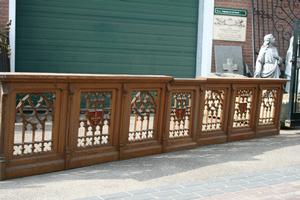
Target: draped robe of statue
[
  {"x": 268, "y": 60},
  {"x": 288, "y": 64}
]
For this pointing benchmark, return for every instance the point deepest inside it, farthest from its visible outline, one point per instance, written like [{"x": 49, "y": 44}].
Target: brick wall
[
  {"x": 3, "y": 13},
  {"x": 247, "y": 45}
]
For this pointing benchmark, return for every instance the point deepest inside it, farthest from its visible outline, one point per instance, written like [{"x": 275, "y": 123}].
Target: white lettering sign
[{"x": 230, "y": 28}]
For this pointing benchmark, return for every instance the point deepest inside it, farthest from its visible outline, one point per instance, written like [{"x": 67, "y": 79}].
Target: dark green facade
[{"x": 107, "y": 36}]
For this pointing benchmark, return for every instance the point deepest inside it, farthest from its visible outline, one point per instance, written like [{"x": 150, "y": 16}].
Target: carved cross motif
[
  {"x": 95, "y": 117},
  {"x": 243, "y": 107},
  {"x": 180, "y": 113}
]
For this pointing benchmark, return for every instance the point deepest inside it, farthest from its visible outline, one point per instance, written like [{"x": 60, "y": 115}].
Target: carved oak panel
[
  {"x": 268, "y": 107},
  {"x": 213, "y": 112},
  {"x": 33, "y": 123},
  {"x": 95, "y": 117},
  {"x": 242, "y": 108},
  {"x": 142, "y": 115},
  {"x": 180, "y": 116}
]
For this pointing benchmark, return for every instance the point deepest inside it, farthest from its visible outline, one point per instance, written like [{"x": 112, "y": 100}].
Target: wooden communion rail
[{"x": 52, "y": 122}]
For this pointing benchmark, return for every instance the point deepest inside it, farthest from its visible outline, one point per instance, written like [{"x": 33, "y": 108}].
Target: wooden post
[{"x": 3, "y": 98}]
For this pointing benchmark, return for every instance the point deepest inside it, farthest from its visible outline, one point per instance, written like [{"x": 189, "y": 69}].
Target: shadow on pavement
[{"x": 151, "y": 167}]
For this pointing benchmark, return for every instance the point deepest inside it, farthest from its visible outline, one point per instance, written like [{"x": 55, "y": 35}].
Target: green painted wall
[{"x": 107, "y": 36}]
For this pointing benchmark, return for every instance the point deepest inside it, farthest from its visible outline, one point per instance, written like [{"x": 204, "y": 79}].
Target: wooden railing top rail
[
  {"x": 228, "y": 80},
  {"x": 49, "y": 77},
  {"x": 45, "y": 77},
  {"x": 245, "y": 80}
]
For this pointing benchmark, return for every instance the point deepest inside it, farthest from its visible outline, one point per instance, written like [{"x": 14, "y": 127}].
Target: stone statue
[
  {"x": 288, "y": 64},
  {"x": 268, "y": 60}
]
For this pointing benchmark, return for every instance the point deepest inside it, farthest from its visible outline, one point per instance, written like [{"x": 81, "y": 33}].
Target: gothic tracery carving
[
  {"x": 33, "y": 123},
  {"x": 213, "y": 110},
  {"x": 242, "y": 108},
  {"x": 180, "y": 116},
  {"x": 267, "y": 107},
  {"x": 142, "y": 115},
  {"x": 94, "y": 122}
]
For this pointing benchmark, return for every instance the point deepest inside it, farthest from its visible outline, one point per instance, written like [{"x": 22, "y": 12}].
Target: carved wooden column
[{"x": 3, "y": 110}]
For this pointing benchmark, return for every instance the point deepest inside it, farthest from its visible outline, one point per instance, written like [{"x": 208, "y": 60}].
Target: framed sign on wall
[{"x": 230, "y": 24}]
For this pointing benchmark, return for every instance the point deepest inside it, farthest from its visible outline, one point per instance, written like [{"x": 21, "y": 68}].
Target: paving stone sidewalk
[
  {"x": 270, "y": 184},
  {"x": 262, "y": 168}
]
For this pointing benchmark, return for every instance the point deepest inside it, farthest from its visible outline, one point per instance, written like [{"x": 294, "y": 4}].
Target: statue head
[{"x": 269, "y": 39}]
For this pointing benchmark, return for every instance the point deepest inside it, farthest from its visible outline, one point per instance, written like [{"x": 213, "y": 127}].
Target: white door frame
[
  {"x": 12, "y": 34},
  {"x": 205, "y": 37}
]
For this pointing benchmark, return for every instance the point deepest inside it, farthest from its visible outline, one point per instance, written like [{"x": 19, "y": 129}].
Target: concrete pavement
[{"x": 263, "y": 168}]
